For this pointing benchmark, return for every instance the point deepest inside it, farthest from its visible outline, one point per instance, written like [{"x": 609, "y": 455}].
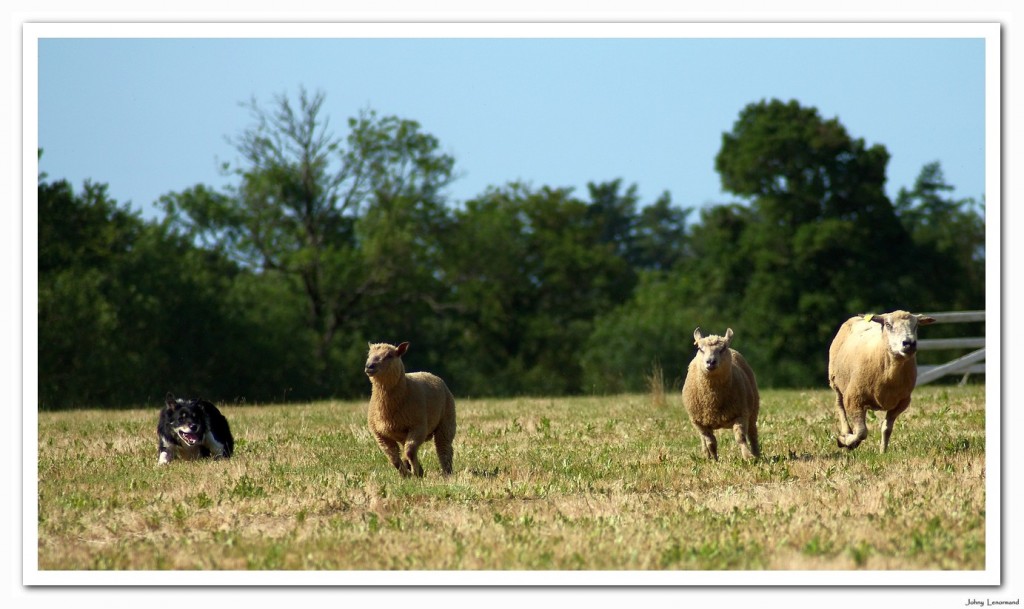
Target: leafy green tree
[
  {"x": 78, "y": 236},
  {"x": 350, "y": 223},
  {"x": 655, "y": 326},
  {"x": 488, "y": 269},
  {"x": 818, "y": 242},
  {"x": 577, "y": 273},
  {"x": 127, "y": 311},
  {"x": 651, "y": 237},
  {"x": 949, "y": 240},
  {"x": 825, "y": 232},
  {"x": 949, "y": 255},
  {"x": 528, "y": 271},
  {"x": 659, "y": 235}
]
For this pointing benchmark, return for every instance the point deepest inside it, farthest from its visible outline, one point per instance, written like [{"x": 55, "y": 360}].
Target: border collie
[{"x": 192, "y": 429}]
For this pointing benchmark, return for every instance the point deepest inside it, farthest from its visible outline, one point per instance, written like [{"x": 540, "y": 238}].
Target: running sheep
[
  {"x": 872, "y": 364},
  {"x": 406, "y": 410},
  {"x": 720, "y": 392}
]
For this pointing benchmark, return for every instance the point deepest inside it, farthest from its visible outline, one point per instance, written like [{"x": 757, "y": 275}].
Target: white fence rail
[{"x": 972, "y": 363}]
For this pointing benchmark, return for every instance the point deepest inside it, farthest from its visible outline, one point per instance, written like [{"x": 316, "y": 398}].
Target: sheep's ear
[
  {"x": 697, "y": 335},
  {"x": 924, "y": 321},
  {"x": 401, "y": 349},
  {"x": 878, "y": 319},
  {"x": 728, "y": 335}
]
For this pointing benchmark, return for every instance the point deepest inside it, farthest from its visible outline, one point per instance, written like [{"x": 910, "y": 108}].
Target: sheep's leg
[
  {"x": 445, "y": 456},
  {"x": 890, "y": 420},
  {"x": 708, "y": 442},
  {"x": 755, "y": 445},
  {"x": 390, "y": 448},
  {"x": 443, "y": 438},
  {"x": 739, "y": 429},
  {"x": 409, "y": 455},
  {"x": 844, "y": 425},
  {"x": 857, "y": 430}
]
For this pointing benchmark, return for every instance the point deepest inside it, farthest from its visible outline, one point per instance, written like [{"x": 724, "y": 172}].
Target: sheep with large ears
[
  {"x": 720, "y": 392},
  {"x": 872, "y": 364},
  {"x": 406, "y": 410}
]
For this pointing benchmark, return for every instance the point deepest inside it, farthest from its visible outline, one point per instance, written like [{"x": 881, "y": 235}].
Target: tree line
[{"x": 268, "y": 290}]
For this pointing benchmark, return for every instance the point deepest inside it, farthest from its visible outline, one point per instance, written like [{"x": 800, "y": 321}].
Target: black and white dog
[{"x": 191, "y": 429}]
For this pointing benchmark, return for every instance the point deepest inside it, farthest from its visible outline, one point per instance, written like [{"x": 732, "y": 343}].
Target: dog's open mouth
[{"x": 189, "y": 437}]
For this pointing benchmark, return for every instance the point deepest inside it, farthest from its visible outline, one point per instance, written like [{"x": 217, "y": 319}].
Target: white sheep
[
  {"x": 872, "y": 365},
  {"x": 720, "y": 392},
  {"x": 408, "y": 409}
]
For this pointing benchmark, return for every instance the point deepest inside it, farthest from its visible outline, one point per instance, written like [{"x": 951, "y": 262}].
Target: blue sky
[{"x": 148, "y": 116}]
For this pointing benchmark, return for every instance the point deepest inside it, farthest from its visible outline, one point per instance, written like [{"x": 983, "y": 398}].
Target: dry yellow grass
[{"x": 601, "y": 483}]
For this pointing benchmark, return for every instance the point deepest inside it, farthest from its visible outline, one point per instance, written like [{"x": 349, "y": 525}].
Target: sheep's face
[
  {"x": 899, "y": 330},
  {"x": 713, "y": 351},
  {"x": 383, "y": 357}
]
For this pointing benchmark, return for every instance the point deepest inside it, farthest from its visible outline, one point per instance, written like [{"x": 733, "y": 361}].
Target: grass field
[{"x": 589, "y": 483}]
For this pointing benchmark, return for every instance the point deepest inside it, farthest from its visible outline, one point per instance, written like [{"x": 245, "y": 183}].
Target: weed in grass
[
  {"x": 818, "y": 547},
  {"x": 246, "y": 487},
  {"x": 179, "y": 514},
  {"x": 202, "y": 500},
  {"x": 372, "y": 522},
  {"x": 860, "y": 553},
  {"x": 656, "y": 386},
  {"x": 956, "y": 446}
]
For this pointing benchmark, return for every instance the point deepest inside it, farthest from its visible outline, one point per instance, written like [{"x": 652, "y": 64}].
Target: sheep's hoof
[{"x": 839, "y": 443}]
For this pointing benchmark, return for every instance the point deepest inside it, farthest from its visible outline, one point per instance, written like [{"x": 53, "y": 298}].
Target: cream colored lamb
[
  {"x": 720, "y": 392},
  {"x": 408, "y": 409},
  {"x": 872, "y": 364}
]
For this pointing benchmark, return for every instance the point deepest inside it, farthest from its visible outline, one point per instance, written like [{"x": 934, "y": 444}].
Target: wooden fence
[{"x": 972, "y": 363}]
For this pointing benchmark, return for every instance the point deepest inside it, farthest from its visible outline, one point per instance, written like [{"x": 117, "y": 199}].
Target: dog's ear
[{"x": 169, "y": 400}]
